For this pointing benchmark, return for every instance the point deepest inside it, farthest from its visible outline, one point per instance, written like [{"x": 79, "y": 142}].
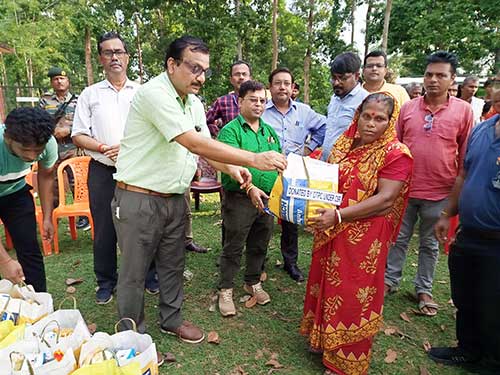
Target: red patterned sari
[{"x": 345, "y": 289}]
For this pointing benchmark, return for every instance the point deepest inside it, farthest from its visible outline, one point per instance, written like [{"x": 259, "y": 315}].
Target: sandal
[
  {"x": 388, "y": 289},
  {"x": 425, "y": 306}
]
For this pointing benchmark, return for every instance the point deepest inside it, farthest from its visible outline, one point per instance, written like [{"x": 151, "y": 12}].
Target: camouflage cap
[{"x": 56, "y": 71}]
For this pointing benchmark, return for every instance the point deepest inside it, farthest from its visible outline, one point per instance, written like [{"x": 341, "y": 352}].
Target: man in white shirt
[
  {"x": 98, "y": 127},
  {"x": 467, "y": 92}
]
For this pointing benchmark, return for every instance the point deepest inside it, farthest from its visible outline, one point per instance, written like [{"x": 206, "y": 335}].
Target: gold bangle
[
  {"x": 250, "y": 188},
  {"x": 444, "y": 213},
  {"x": 339, "y": 217}
]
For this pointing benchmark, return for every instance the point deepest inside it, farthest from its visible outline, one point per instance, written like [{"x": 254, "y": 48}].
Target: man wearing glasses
[
  {"x": 374, "y": 71},
  {"x": 347, "y": 96},
  {"x": 98, "y": 127},
  {"x": 246, "y": 225},
  {"x": 435, "y": 127},
  {"x": 166, "y": 126},
  {"x": 300, "y": 130}
]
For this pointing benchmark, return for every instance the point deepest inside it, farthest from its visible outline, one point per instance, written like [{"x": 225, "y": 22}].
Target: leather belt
[{"x": 137, "y": 189}]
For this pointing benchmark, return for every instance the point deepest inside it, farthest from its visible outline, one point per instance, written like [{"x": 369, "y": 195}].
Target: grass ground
[{"x": 250, "y": 339}]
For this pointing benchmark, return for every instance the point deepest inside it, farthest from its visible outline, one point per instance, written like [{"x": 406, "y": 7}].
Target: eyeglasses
[
  {"x": 343, "y": 78},
  {"x": 371, "y": 66},
  {"x": 196, "y": 69},
  {"x": 255, "y": 100},
  {"x": 429, "y": 120},
  {"x": 109, "y": 53}
]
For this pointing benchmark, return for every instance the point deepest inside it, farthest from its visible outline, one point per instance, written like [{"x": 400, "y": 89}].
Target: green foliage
[{"x": 418, "y": 28}]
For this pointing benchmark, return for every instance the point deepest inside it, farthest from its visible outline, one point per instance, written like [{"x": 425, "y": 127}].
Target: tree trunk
[
  {"x": 367, "y": 27},
  {"x": 307, "y": 59},
  {"x": 275, "y": 35},
  {"x": 387, "y": 18},
  {"x": 139, "y": 49},
  {"x": 239, "y": 48},
  {"x": 88, "y": 57},
  {"x": 353, "y": 10},
  {"x": 29, "y": 75}
]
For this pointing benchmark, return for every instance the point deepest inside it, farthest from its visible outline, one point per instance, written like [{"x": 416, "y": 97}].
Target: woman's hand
[{"x": 327, "y": 218}]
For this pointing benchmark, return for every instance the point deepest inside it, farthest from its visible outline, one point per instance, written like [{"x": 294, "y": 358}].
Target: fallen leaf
[
  {"x": 252, "y": 301},
  {"x": 389, "y": 331},
  {"x": 259, "y": 354},
  {"x": 274, "y": 363},
  {"x": 414, "y": 265},
  {"x": 442, "y": 282},
  {"x": 73, "y": 281},
  {"x": 427, "y": 346},
  {"x": 238, "y": 371},
  {"x": 424, "y": 371},
  {"x": 405, "y": 317},
  {"x": 218, "y": 223},
  {"x": 450, "y": 302},
  {"x": 272, "y": 279},
  {"x": 278, "y": 263},
  {"x": 443, "y": 327},
  {"x": 71, "y": 290},
  {"x": 391, "y": 356},
  {"x": 263, "y": 276},
  {"x": 245, "y": 298},
  {"x": 213, "y": 337},
  {"x": 169, "y": 357},
  {"x": 274, "y": 356},
  {"x": 92, "y": 328},
  {"x": 213, "y": 302},
  {"x": 76, "y": 263}
]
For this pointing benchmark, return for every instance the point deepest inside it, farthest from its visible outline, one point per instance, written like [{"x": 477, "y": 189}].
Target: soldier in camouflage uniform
[{"x": 61, "y": 104}]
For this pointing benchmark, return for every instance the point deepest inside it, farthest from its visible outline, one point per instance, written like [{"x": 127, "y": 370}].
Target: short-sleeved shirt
[
  {"x": 239, "y": 134},
  {"x": 51, "y": 103},
  {"x": 101, "y": 113},
  {"x": 13, "y": 169},
  {"x": 340, "y": 113},
  {"x": 477, "y": 105},
  {"x": 399, "y": 92},
  {"x": 298, "y": 128},
  {"x": 479, "y": 203},
  {"x": 149, "y": 156},
  {"x": 437, "y": 141}
]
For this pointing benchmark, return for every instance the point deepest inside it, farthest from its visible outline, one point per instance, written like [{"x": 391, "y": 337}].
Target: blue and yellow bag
[{"x": 305, "y": 185}]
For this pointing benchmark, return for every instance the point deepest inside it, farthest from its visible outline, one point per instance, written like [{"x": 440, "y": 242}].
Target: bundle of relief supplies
[
  {"x": 59, "y": 343},
  {"x": 305, "y": 185},
  {"x": 124, "y": 353}
]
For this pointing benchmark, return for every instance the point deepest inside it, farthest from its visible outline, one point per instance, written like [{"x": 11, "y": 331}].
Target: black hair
[
  {"x": 444, "y": 57},
  {"x": 108, "y": 36},
  {"x": 470, "y": 79},
  {"x": 250, "y": 86},
  {"x": 176, "y": 49},
  {"x": 379, "y": 97},
  {"x": 29, "y": 126},
  {"x": 280, "y": 70},
  {"x": 376, "y": 53},
  {"x": 296, "y": 86},
  {"x": 347, "y": 62},
  {"x": 240, "y": 62}
]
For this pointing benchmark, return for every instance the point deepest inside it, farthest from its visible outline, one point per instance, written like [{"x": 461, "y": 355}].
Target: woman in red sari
[{"x": 345, "y": 289}]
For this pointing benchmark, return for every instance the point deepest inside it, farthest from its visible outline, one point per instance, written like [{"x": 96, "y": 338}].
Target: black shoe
[
  {"x": 152, "y": 286},
  {"x": 294, "y": 272},
  {"x": 103, "y": 296},
  {"x": 452, "y": 356},
  {"x": 195, "y": 248},
  {"x": 83, "y": 223}
]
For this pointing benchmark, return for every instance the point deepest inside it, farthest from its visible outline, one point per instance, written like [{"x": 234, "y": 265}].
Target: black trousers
[
  {"x": 17, "y": 212},
  {"x": 474, "y": 265},
  {"x": 245, "y": 228},
  {"x": 289, "y": 242},
  {"x": 101, "y": 191}
]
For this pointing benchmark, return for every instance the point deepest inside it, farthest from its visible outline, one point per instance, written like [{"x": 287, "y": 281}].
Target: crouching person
[{"x": 245, "y": 223}]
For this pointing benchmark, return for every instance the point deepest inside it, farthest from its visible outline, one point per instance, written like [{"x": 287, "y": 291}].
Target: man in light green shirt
[{"x": 155, "y": 166}]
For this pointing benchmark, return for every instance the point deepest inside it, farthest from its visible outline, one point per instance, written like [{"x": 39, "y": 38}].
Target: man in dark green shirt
[{"x": 245, "y": 222}]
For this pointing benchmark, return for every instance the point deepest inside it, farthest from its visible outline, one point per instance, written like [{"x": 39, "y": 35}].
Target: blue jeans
[{"x": 427, "y": 212}]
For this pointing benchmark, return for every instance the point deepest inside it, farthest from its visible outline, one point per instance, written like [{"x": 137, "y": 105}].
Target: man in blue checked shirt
[
  {"x": 347, "y": 96},
  {"x": 300, "y": 130}
]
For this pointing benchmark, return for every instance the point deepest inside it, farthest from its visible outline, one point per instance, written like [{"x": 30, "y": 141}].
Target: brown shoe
[
  {"x": 186, "y": 332},
  {"x": 260, "y": 294}
]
